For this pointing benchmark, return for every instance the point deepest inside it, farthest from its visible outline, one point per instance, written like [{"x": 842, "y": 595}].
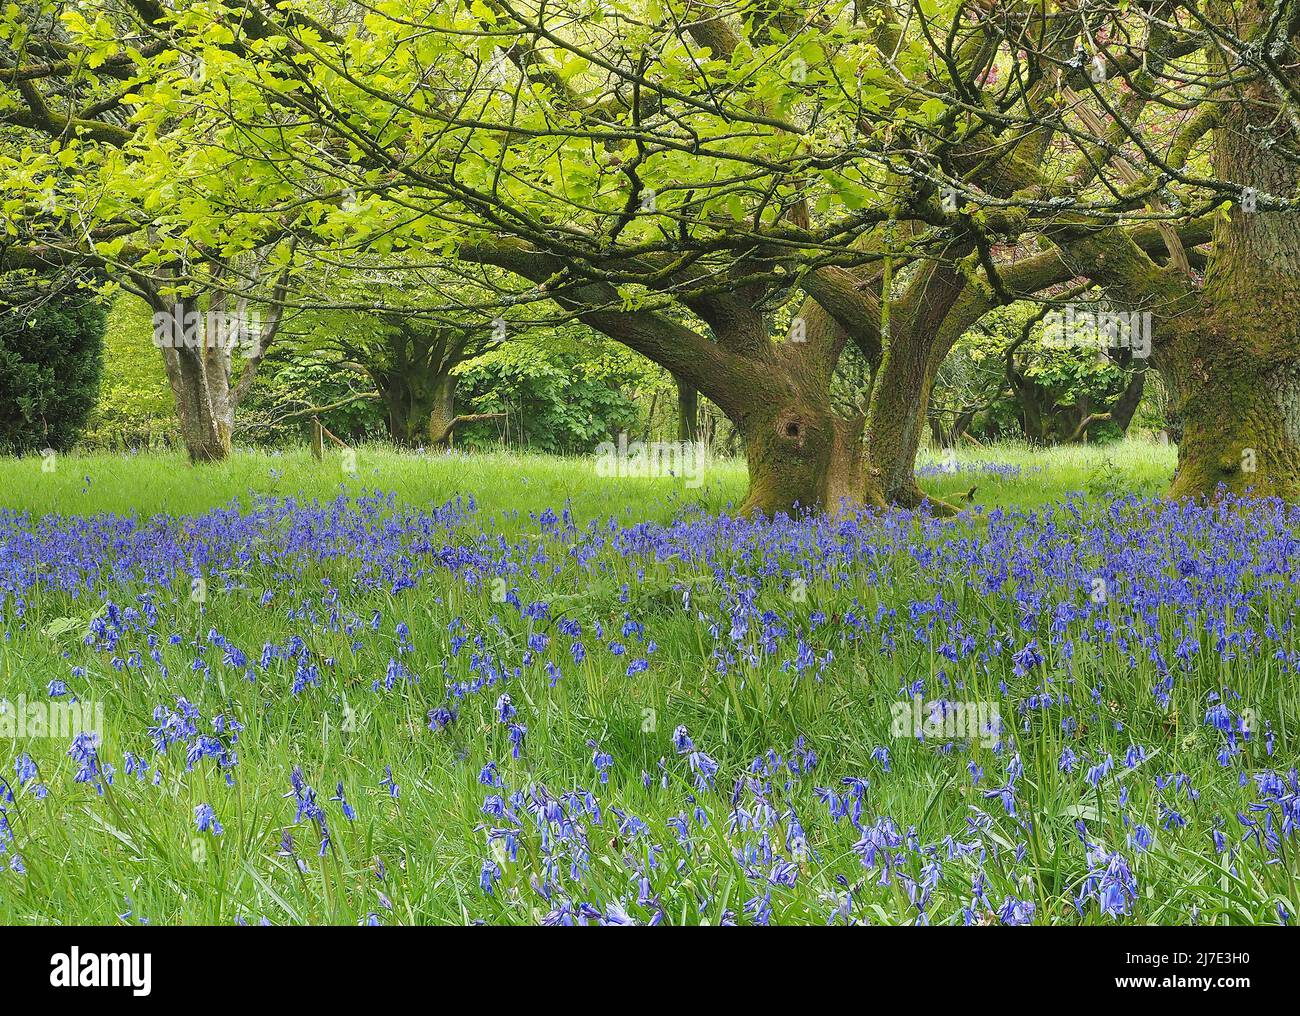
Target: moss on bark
[{"x": 802, "y": 455}]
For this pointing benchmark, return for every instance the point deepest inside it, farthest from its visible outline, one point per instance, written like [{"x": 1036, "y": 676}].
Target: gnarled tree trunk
[
  {"x": 409, "y": 408},
  {"x": 803, "y": 452},
  {"x": 803, "y": 455},
  {"x": 413, "y": 369}
]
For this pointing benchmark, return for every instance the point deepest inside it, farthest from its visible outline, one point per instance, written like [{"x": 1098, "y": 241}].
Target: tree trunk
[
  {"x": 411, "y": 403},
  {"x": 1239, "y": 404},
  {"x": 801, "y": 456},
  {"x": 960, "y": 427},
  {"x": 199, "y": 377},
  {"x": 1121, "y": 412},
  {"x": 442, "y": 413},
  {"x": 688, "y": 411},
  {"x": 408, "y": 415},
  {"x": 1033, "y": 422},
  {"x": 1233, "y": 369},
  {"x": 1239, "y": 407},
  {"x": 897, "y": 415},
  {"x": 197, "y": 349}
]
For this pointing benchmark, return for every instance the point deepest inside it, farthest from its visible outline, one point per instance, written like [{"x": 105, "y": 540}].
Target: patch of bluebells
[
  {"x": 999, "y": 600},
  {"x": 977, "y": 470}
]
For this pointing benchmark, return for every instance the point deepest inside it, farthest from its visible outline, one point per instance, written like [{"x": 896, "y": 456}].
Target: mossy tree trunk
[
  {"x": 1235, "y": 382},
  {"x": 803, "y": 451},
  {"x": 1233, "y": 366},
  {"x": 803, "y": 454}
]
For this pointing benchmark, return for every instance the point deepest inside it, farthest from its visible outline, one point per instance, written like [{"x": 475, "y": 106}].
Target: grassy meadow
[
  {"x": 1010, "y": 474},
  {"x": 502, "y": 689}
]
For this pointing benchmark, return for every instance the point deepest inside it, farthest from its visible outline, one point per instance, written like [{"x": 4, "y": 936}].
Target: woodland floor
[{"x": 500, "y": 688}]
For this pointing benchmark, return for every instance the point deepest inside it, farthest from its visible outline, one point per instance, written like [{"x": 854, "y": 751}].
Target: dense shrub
[
  {"x": 51, "y": 351},
  {"x": 565, "y": 402}
]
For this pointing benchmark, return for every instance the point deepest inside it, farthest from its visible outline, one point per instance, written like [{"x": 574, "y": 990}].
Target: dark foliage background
[{"x": 51, "y": 356}]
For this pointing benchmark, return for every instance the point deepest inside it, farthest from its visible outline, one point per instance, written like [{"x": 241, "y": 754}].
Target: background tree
[
  {"x": 410, "y": 359},
  {"x": 565, "y": 396},
  {"x": 1017, "y": 373},
  {"x": 108, "y": 173}
]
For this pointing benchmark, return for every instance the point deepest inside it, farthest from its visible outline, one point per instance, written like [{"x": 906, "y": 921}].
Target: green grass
[
  {"x": 1044, "y": 475},
  {"x": 503, "y": 482},
  {"x": 86, "y": 854}
]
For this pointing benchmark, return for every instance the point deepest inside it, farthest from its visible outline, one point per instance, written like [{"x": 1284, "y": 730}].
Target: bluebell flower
[
  {"x": 1016, "y": 912},
  {"x": 206, "y": 820},
  {"x": 339, "y": 796}
]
